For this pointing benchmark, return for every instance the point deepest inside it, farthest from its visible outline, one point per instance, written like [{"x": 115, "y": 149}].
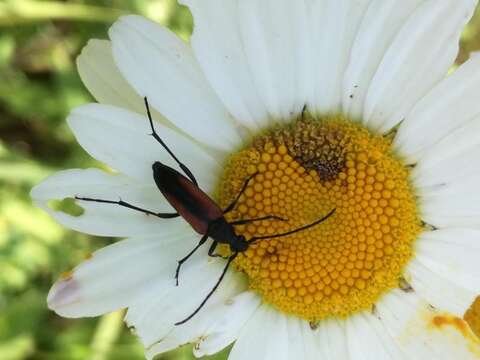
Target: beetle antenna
[
  {"x": 230, "y": 259},
  {"x": 248, "y": 221},
  {"x": 305, "y": 227},
  {"x": 185, "y": 169},
  {"x": 240, "y": 193}
]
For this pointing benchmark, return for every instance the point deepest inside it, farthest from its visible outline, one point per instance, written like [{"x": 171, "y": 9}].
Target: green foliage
[{"x": 39, "y": 84}]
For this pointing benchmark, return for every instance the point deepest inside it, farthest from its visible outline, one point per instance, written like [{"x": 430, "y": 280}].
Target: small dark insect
[
  {"x": 405, "y": 286},
  {"x": 201, "y": 212}
]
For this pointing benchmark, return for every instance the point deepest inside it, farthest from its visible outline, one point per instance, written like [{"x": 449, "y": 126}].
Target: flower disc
[{"x": 305, "y": 170}]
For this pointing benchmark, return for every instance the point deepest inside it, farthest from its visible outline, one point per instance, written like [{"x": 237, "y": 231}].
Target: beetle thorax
[{"x": 239, "y": 244}]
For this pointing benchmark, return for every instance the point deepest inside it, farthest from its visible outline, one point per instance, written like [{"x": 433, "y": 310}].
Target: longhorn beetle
[{"x": 201, "y": 212}]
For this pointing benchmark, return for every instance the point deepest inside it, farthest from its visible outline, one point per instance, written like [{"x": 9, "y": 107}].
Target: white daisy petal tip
[
  {"x": 64, "y": 292},
  {"x": 102, "y": 78}
]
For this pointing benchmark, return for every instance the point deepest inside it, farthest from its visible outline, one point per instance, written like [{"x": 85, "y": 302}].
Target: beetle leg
[
  {"x": 180, "y": 262},
  {"x": 230, "y": 259},
  {"x": 130, "y": 206},
  {"x": 246, "y": 221},
  {"x": 212, "y": 249},
  {"x": 185, "y": 169},
  {"x": 244, "y": 187}
]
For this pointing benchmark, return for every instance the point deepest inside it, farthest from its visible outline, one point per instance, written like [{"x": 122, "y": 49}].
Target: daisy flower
[{"x": 333, "y": 104}]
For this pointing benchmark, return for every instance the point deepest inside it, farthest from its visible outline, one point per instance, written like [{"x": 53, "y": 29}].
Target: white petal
[
  {"x": 388, "y": 343},
  {"x": 104, "y": 219},
  {"x": 219, "y": 49},
  {"x": 103, "y": 79},
  {"x": 381, "y": 23},
  {"x": 452, "y": 253},
  {"x": 275, "y": 39},
  {"x": 418, "y": 58},
  {"x": 114, "y": 276},
  {"x": 227, "y": 323},
  {"x": 312, "y": 351},
  {"x": 162, "y": 67},
  {"x": 410, "y": 321},
  {"x": 121, "y": 139},
  {"x": 322, "y": 343},
  {"x": 295, "y": 338},
  {"x": 157, "y": 309},
  {"x": 278, "y": 346},
  {"x": 215, "y": 327},
  {"x": 451, "y": 159},
  {"x": 455, "y": 201},
  {"x": 448, "y": 106},
  {"x": 332, "y": 339},
  {"x": 442, "y": 293},
  {"x": 452, "y": 205},
  {"x": 368, "y": 339},
  {"x": 334, "y": 26},
  {"x": 264, "y": 337}
]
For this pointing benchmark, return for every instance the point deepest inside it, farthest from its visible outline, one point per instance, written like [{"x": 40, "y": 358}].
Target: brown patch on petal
[
  {"x": 441, "y": 322},
  {"x": 67, "y": 275}
]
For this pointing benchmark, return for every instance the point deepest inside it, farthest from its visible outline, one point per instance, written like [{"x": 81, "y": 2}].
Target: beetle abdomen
[{"x": 196, "y": 207}]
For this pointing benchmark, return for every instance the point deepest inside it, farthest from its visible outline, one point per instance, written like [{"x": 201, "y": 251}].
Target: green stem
[
  {"x": 108, "y": 330},
  {"x": 15, "y": 12}
]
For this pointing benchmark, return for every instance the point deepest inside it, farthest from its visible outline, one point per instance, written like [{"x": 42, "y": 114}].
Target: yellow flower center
[
  {"x": 472, "y": 316},
  {"x": 304, "y": 170}
]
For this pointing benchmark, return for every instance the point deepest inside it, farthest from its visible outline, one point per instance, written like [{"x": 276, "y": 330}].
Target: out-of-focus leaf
[
  {"x": 16, "y": 12},
  {"x": 18, "y": 348}
]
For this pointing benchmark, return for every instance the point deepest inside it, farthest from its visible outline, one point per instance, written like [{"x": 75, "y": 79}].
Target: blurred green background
[{"x": 39, "y": 41}]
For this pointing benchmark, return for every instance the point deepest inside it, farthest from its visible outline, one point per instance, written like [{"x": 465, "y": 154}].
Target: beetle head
[{"x": 239, "y": 245}]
